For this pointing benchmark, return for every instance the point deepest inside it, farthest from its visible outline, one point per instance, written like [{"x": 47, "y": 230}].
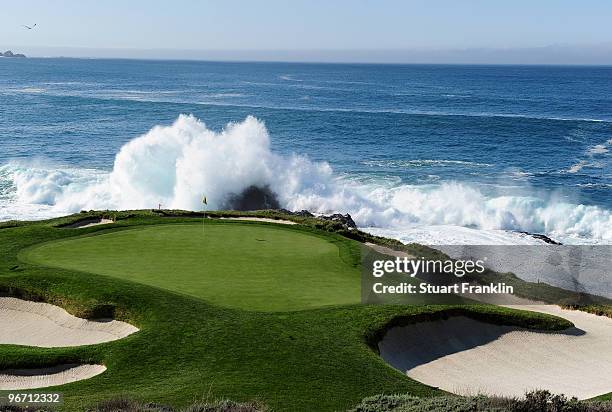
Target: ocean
[{"x": 437, "y": 154}]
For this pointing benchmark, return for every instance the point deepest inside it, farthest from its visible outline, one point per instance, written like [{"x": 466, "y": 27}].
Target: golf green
[{"x": 250, "y": 266}]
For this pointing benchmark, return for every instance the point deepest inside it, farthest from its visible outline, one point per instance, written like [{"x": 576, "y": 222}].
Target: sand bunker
[
  {"x": 465, "y": 356},
  {"x": 89, "y": 223},
  {"x": 261, "y": 219},
  {"x": 41, "y": 324},
  {"x": 16, "y": 379}
]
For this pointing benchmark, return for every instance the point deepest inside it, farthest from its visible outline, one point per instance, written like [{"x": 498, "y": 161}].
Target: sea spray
[{"x": 175, "y": 165}]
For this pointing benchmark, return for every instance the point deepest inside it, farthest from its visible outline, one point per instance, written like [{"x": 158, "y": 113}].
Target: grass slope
[{"x": 192, "y": 347}]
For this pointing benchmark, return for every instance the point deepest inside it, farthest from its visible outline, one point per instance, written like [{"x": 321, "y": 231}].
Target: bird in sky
[{"x": 29, "y": 27}]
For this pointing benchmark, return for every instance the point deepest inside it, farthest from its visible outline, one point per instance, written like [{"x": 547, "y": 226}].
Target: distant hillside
[{"x": 9, "y": 53}]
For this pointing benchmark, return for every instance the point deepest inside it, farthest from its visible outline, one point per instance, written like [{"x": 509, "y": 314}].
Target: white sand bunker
[
  {"x": 41, "y": 378},
  {"x": 260, "y": 219},
  {"x": 89, "y": 223},
  {"x": 41, "y": 324},
  {"x": 468, "y": 357}
]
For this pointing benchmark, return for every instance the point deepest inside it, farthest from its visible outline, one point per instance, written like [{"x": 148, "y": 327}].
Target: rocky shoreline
[{"x": 345, "y": 219}]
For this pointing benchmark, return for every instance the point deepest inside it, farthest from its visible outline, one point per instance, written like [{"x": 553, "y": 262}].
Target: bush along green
[{"x": 536, "y": 401}]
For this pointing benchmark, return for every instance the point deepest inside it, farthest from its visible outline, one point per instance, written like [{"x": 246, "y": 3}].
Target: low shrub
[{"x": 536, "y": 401}]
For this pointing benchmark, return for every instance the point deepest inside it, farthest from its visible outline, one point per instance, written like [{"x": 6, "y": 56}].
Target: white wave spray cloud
[{"x": 175, "y": 165}]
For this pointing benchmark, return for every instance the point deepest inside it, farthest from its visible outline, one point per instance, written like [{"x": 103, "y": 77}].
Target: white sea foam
[
  {"x": 32, "y": 90},
  {"x": 289, "y": 77},
  {"x": 598, "y": 149},
  {"x": 596, "y": 156},
  {"x": 576, "y": 167},
  {"x": 422, "y": 163},
  {"x": 175, "y": 165}
]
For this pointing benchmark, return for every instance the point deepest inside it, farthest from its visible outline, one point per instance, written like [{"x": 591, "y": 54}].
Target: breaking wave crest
[{"x": 178, "y": 164}]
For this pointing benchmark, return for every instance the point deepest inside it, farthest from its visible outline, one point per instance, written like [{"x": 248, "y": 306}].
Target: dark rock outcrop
[
  {"x": 252, "y": 198},
  {"x": 543, "y": 238},
  {"x": 301, "y": 213},
  {"x": 346, "y": 219},
  {"x": 9, "y": 53}
]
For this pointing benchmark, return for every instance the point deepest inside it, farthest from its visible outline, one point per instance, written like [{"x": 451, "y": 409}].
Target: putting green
[{"x": 240, "y": 265}]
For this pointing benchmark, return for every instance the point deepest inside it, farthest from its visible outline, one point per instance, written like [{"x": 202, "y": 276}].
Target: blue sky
[{"x": 95, "y": 27}]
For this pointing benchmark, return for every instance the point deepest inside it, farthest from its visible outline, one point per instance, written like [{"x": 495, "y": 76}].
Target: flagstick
[{"x": 204, "y": 203}]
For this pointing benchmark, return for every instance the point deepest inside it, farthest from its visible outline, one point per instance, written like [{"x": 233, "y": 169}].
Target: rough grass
[
  {"x": 131, "y": 405},
  {"x": 600, "y": 310},
  {"x": 320, "y": 359}
]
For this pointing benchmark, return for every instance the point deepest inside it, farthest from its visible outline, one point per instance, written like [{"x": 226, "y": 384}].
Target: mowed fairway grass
[{"x": 240, "y": 265}]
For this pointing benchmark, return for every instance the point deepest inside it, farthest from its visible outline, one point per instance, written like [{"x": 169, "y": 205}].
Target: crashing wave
[{"x": 178, "y": 164}]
